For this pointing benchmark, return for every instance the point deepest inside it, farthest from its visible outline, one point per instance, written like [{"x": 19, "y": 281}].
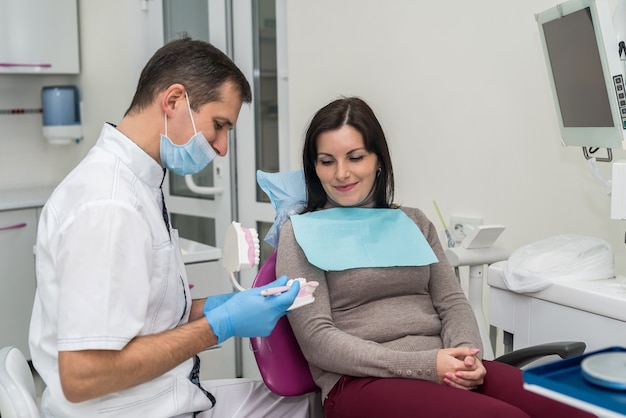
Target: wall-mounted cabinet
[{"x": 39, "y": 37}]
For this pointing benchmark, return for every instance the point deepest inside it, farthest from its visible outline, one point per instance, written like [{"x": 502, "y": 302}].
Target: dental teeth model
[{"x": 242, "y": 251}]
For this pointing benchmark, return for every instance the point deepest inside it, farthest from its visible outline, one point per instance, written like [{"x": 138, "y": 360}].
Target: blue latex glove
[
  {"x": 250, "y": 314},
  {"x": 216, "y": 300}
]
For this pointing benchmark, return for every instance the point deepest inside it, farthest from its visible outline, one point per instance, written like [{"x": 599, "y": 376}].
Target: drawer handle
[
  {"x": 16, "y": 226},
  {"x": 15, "y": 64}
]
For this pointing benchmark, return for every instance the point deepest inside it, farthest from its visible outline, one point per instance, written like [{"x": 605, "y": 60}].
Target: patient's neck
[{"x": 368, "y": 202}]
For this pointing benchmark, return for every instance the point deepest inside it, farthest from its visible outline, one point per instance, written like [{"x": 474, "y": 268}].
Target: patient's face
[{"x": 345, "y": 168}]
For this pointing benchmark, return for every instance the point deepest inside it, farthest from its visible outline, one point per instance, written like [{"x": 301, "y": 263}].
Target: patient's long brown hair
[{"x": 357, "y": 113}]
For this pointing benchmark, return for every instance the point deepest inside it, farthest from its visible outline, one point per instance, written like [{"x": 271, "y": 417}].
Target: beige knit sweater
[{"x": 378, "y": 322}]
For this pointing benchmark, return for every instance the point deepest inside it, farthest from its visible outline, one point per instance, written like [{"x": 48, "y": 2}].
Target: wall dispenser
[{"x": 61, "y": 114}]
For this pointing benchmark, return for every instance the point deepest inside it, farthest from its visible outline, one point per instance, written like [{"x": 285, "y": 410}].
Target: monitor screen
[
  {"x": 577, "y": 70},
  {"x": 585, "y": 73}
]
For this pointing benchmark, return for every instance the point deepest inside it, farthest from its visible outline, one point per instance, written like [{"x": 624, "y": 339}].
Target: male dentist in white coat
[{"x": 114, "y": 331}]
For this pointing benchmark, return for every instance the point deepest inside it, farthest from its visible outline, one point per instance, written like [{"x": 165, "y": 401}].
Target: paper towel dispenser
[{"x": 61, "y": 114}]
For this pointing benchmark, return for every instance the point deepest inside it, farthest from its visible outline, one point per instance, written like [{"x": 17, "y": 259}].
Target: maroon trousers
[{"x": 502, "y": 396}]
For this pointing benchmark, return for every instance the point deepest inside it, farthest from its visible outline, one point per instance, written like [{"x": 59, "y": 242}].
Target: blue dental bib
[{"x": 344, "y": 238}]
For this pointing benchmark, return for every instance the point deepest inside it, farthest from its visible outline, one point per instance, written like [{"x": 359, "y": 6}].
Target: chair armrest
[{"x": 523, "y": 356}]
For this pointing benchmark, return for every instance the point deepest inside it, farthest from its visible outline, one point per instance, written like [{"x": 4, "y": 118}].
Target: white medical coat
[{"x": 108, "y": 270}]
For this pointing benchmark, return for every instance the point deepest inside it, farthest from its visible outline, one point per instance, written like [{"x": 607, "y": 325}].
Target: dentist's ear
[{"x": 171, "y": 96}]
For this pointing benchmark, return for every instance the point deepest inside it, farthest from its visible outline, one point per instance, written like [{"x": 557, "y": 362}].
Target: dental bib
[{"x": 344, "y": 238}]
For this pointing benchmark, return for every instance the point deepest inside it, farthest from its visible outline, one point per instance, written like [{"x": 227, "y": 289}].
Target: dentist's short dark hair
[{"x": 199, "y": 66}]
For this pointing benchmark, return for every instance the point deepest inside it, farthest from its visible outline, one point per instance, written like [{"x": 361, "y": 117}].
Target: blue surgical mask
[{"x": 190, "y": 158}]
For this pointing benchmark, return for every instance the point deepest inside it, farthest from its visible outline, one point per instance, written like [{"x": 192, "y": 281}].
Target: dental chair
[
  {"x": 282, "y": 365},
  {"x": 17, "y": 386},
  {"x": 285, "y": 371}
]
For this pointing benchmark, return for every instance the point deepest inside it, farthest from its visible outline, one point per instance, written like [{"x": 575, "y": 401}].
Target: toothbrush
[
  {"x": 445, "y": 227},
  {"x": 305, "y": 295},
  {"x": 241, "y": 251}
]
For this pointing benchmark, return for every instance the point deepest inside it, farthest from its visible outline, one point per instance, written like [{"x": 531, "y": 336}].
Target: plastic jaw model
[{"x": 241, "y": 250}]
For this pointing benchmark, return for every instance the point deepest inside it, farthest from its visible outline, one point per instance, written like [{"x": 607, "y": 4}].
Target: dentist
[{"x": 114, "y": 331}]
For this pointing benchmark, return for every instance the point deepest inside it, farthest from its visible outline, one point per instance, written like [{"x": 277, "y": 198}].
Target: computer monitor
[{"x": 585, "y": 71}]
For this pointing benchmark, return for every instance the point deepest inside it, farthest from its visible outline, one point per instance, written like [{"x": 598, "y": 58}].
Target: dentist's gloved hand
[
  {"x": 216, "y": 300},
  {"x": 250, "y": 314}
]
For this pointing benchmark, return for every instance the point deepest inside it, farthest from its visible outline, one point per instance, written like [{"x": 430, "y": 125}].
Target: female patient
[{"x": 390, "y": 333}]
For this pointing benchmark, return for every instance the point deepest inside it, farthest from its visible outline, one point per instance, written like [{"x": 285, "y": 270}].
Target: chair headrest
[{"x": 287, "y": 193}]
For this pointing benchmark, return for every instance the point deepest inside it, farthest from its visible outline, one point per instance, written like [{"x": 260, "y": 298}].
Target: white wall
[
  {"x": 461, "y": 89},
  {"x": 117, "y": 37},
  {"x": 26, "y": 158}
]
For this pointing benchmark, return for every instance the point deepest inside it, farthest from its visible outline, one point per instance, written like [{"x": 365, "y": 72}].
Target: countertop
[
  {"x": 606, "y": 297},
  {"x": 24, "y": 197},
  {"x": 196, "y": 252}
]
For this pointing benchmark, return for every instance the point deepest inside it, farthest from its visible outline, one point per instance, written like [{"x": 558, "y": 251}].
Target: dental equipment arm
[{"x": 523, "y": 356}]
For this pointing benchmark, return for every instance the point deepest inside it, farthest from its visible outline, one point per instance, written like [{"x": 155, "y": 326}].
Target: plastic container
[{"x": 61, "y": 114}]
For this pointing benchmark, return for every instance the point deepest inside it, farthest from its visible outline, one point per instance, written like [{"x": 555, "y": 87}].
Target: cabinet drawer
[
  {"x": 209, "y": 278},
  {"x": 18, "y": 232},
  {"x": 218, "y": 362}
]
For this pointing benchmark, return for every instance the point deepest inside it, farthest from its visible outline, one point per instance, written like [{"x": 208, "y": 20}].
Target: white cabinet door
[
  {"x": 39, "y": 36},
  {"x": 218, "y": 362},
  {"x": 18, "y": 230}
]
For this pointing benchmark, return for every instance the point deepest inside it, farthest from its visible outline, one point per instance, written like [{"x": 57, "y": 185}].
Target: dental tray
[{"x": 565, "y": 377}]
